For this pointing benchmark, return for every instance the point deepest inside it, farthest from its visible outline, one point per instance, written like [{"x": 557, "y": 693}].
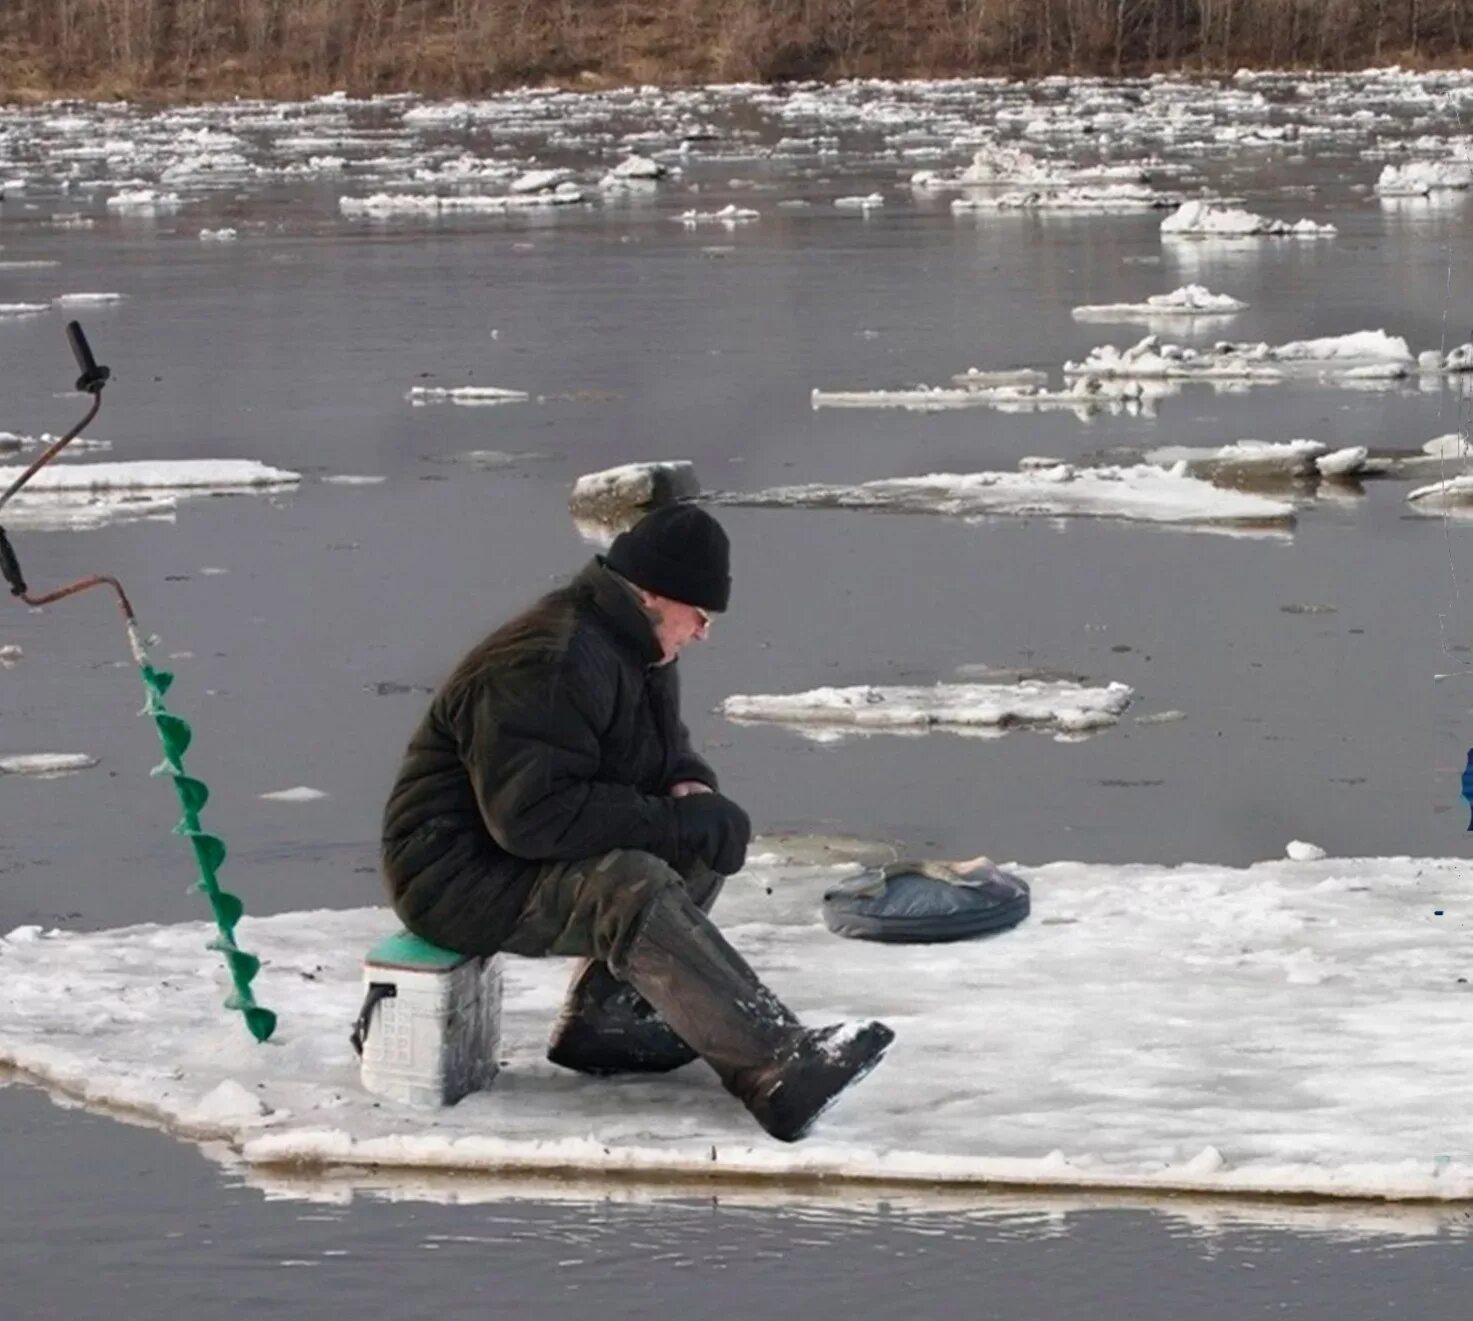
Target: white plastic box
[{"x": 434, "y": 1035}]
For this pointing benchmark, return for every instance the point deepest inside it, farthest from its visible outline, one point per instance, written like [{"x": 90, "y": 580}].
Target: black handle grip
[
  {"x": 10, "y": 566},
  {"x": 93, "y": 377}
]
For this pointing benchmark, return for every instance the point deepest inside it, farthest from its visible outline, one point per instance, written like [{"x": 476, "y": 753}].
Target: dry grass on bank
[{"x": 205, "y": 48}]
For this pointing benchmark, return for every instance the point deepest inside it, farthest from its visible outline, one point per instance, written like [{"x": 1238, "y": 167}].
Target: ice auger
[{"x": 174, "y": 732}]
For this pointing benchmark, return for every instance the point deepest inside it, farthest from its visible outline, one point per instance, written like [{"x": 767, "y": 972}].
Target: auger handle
[{"x": 93, "y": 376}]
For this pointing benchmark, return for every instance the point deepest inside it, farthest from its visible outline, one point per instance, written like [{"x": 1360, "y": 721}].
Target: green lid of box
[{"x": 404, "y": 950}]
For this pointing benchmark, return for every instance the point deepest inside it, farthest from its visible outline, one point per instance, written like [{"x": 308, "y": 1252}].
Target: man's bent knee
[{"x": 617, "y": 892}]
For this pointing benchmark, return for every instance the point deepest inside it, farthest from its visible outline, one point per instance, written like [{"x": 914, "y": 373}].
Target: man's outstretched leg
[
  {"x": 607, "y": 1027},
  {"x": 785, "y": 1074}
]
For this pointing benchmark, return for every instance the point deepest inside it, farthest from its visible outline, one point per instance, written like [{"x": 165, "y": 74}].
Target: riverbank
[{"x": 161, "y": 51}]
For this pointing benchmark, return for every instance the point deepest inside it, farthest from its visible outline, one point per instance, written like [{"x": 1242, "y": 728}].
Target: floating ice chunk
[
  {"x": 729, "y": 215},
  {"x": 466, "y": 394},
  {"x": 1300, "y": 851},
  {"x": 633, "y": 486},
  {"x": 1143, "y": 493},
  {"x": 869, "y": 202},
  {"x": 46, "y": 765},
  {"x": 1190, "y": 300},
  {"x": 959, "y": 707},
  {"x": 1455, "y": 492},
  {"x": 1418, "y": 178},
  {"x": 1367, "y": 351},
  {"x": 218, "y": 235},
  {"x": 300, "y": 793},
  {"x": 1259, "y": 459},
  {"x": 540, "y": 181},
  {"x": 1086, "y": 394},
  {"x": 998, "y": 164},
  {"x": 84, "y": 299},
  {"x": 9, "y": 655},
  {"x": 85, "y": 509},
  {"x": 1108, "y": 197},
  {"x": 23, "y": 309},
  {"x": 353, "y": 479},
  {"x": 426, "y": 204},
  {"x": 1198, "y": 219},
  {"x": 1431, "y": 363},
  {"x": 151, "y": 474},
  {"x": 142, "y": 199},
  {"x": 1343, "y": 462},
  {"x": 639, "y": 167}
]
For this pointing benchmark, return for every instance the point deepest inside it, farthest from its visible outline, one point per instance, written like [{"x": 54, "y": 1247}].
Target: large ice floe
[
  {"x": 1184, "y": 303},
  {"x": 1062, "y": 707},
  {"x": 1101, "y": 197},
  {"x": 1361, "y": 355},
  {"x": 1263, "y": 461},
  {"x": 1418, "y": 178},
  {"x": 1203, "y": 220},
  {"x": 465, "y": 394},
  {"x": 1289, "y": 1028},
  {"x": 1142, "y": 493}
]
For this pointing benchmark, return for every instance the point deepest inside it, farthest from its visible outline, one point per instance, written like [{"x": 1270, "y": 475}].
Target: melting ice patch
[
  {"x": 1084, "y": 397},
  {"x": 1104, "y": 197},
  {"x": 1290, "y": 1027},
  {"x": 1143, "y": 493},
  {"x": 1067, "y": 708},
  {"x": 465, "y": 394}
]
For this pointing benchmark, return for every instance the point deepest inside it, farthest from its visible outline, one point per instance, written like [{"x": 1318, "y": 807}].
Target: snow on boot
[
  {"x": 786, "y": 1098},
  {"x": 786, "y": 1075},
  {"x": 607, "y": 1027}
]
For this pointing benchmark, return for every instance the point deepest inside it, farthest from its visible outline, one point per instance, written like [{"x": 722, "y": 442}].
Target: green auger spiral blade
[{"x": 209, "y": 850}]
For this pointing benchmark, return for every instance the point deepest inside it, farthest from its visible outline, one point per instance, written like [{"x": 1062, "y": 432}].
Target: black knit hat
[{"x": 680, "y": 552}]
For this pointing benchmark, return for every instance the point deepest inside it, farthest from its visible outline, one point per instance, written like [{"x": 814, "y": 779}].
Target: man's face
[{"x": 676, "y": 624}]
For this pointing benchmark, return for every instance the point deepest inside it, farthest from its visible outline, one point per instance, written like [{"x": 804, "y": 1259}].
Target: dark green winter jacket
[{"x": 557, "y": 738}]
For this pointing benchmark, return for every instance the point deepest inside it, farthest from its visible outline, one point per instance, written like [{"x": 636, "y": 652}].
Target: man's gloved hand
[{"x": 713, "y": 829}]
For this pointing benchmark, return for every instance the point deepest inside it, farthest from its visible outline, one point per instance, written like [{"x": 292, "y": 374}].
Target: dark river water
[{"x": 307, "y": 662}]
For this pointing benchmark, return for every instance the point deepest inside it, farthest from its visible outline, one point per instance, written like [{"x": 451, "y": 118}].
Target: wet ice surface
[
  {"x": 1297, "y": 1027},
  {"x": 644, "y": 339}
]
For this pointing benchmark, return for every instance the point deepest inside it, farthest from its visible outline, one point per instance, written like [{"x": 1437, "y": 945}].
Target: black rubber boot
[
  {"x": 606, "y": 1027},
  {"x": 785, "y": 1074}
]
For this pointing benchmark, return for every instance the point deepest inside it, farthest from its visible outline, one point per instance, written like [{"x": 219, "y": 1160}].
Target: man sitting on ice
[{"x": 550, "y": 804}]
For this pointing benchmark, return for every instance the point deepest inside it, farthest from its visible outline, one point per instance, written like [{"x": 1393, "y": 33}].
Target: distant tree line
[{"x": 194, "y": 48}]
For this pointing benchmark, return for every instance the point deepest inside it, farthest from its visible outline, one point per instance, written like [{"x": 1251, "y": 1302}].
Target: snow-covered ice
[
  {"x": 1144, "y": 493},
  {"x": 1286, "y": 1028},
  {"x": 218, "y": 235},
  {"x": 1103, "y": 197},
  {"x": 45, "y": 765},
  {"x": 1365, "y": 354},
  {"x": 728, "y": 215},
  {"x": 23, "y": 309},
  {"x": 143, "y": 200},
  {"x": 1190, "y": 300},
  {"x": 86, "y": 299},
  {"x": 300, "y": 793},
  {"x": 1203, "y": 220},
  {"x": 986, "y": 708},
  {"x": 1418, "y": 178},
  {"x": 598, "y": 495},
  {"x": 1084, "y": 396},
  {"x": 150, "y": 474},
  {"x": 1262, "y": 460}
]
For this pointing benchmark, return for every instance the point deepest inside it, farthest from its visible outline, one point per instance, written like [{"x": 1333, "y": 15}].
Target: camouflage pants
[{"x": 594, "y": 907}]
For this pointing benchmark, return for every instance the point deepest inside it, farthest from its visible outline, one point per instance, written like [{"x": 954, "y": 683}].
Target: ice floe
[
  {"x": 218, "y": 235},
  {"x": 1201, "y": 219},
  {"x": 86, "y": 299},
  {"x": 10, "y": 655},
  {"x": 1143, "y": 493},
  {"x": 1190, "y": 300},
  {"x": 301, "y": 793},
  {"x": 729, "y": 215},
  {"x": 1365, "y": 355},
  {"x": 150, "y": 474},
  {"x": 1307, "y": 1035},
  {"x": 46, "y": 765},
  {"x": 964, "y": 708},
  {"x": 465, "y": 394},
  {"x": 143, "y": 200},
  {"x": 1103, "y": 197},
  {"x": 1084, "y": 396},
  {"x": 1418, "y": 178},
  {"x": 1261, "y": 460},
  {"x": 602, "y": 495}
]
